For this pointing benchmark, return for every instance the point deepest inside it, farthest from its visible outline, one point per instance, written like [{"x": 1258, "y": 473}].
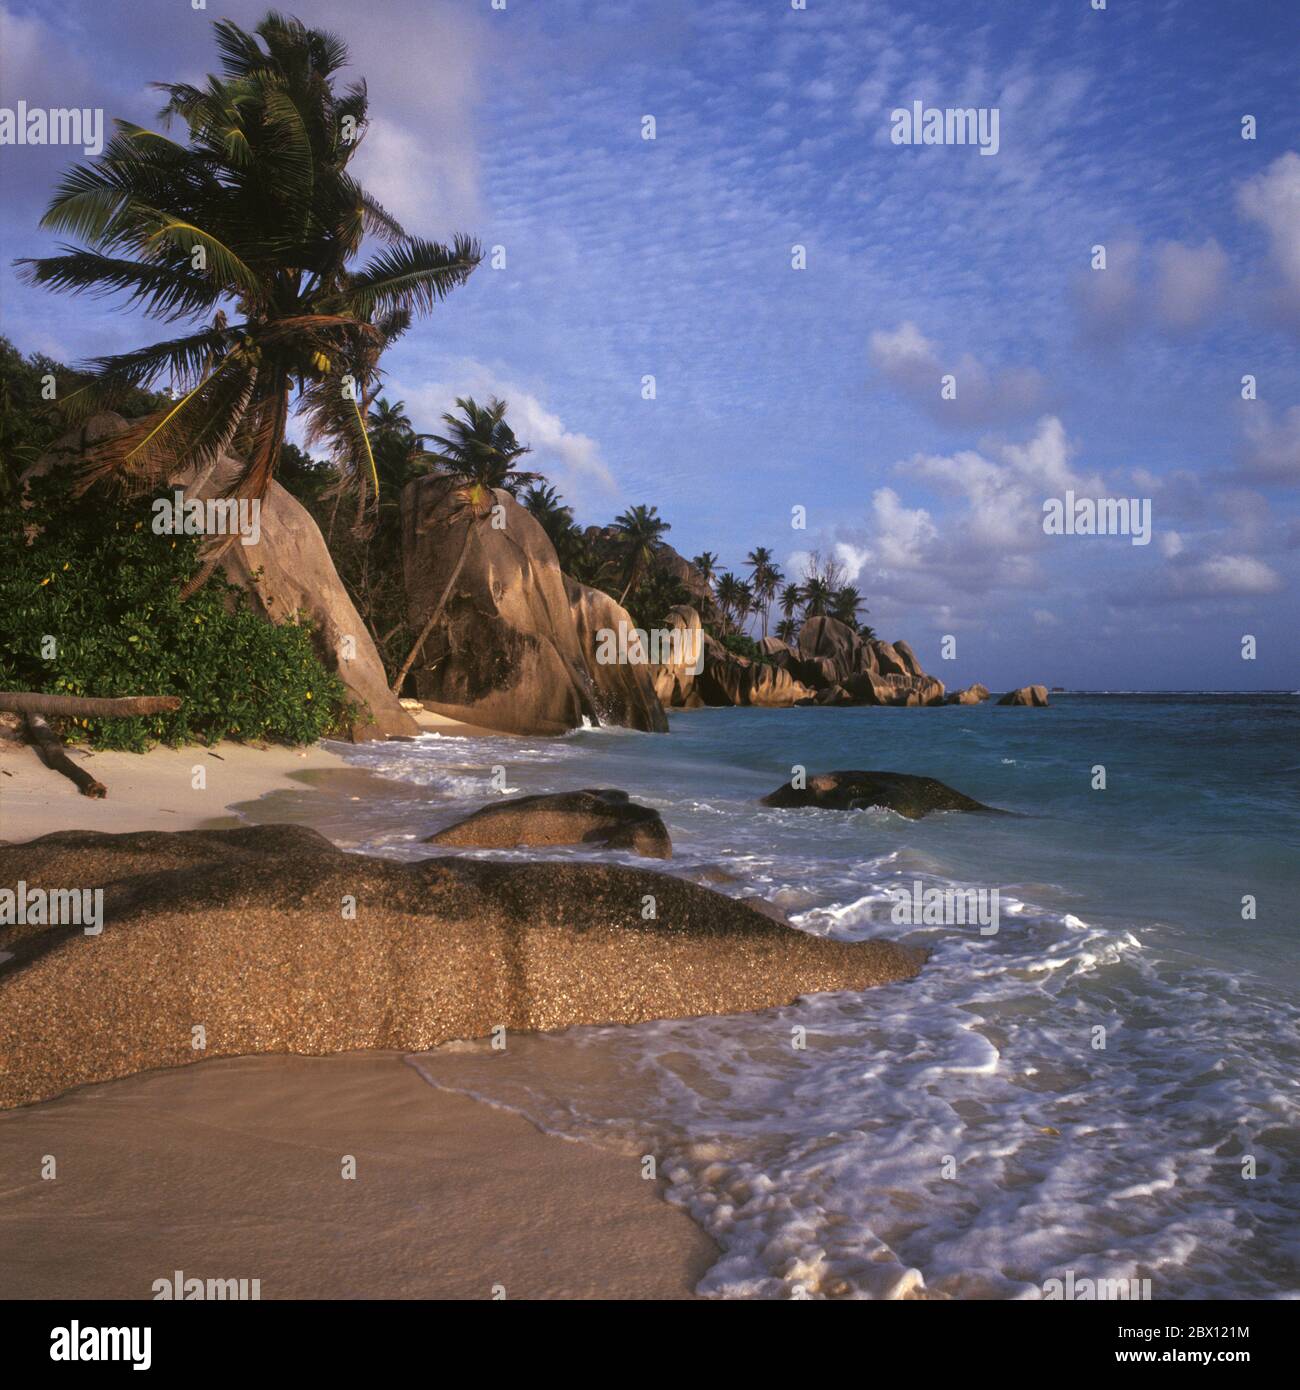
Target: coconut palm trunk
[{"x": 431, "y": 621}]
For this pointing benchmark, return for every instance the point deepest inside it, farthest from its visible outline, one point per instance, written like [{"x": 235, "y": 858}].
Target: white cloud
[
  {"x": 1189, "y": 282},
  {"x": 1005, "y": 487},
  {"x": 916, "y": 365},
  {"x": 1272, "y": 199},
  {"x": 571, "y": 461},
  {"x": 1272, "y": 447},
  {"x": 1223, "y": 576},
  {"x": 1175, "y": 286}
]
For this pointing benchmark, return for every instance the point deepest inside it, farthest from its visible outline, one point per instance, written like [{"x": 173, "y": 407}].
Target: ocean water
[{"x": 964, "y": 1134}]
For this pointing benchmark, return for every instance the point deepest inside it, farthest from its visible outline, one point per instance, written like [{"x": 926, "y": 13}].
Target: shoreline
[
  {"x": 154, "y": 790},
  {"x": 232, "y": 1169}
]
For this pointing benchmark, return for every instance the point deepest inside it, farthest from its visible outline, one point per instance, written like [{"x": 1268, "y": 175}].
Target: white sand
[
  {"x": 147, "y": 791},
  {"x": 232, "y": 1169},
  {"x": 156, "y": 791}
]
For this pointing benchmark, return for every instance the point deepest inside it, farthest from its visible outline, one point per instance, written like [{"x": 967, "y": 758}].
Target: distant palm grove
[{"x": 290, "y": 283}]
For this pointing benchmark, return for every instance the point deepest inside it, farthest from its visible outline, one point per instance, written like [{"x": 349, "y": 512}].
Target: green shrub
[
  {"x": 95, "y": 579},
  {"x": 741, "y": 644}
]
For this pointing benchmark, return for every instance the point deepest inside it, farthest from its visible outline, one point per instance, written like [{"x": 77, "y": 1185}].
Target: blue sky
[{"x": 820, "y": 387}]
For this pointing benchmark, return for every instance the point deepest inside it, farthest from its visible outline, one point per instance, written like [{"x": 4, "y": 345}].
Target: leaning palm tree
[
  {"x": 479, "y": 451},
  {"x": 247, "y": 231},
  {"x": 640, "y": 530}
]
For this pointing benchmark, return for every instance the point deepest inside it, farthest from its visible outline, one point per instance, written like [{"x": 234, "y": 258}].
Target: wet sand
[{"x": 232, "y": 1169}]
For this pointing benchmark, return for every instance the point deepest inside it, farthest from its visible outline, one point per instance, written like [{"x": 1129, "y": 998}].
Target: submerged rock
[
  {"x": 603, "y": 816},
  {"x": 269, "y": 939},
  {"x": 910, "y": 796},
  {"x": 1035, "y": 695}
]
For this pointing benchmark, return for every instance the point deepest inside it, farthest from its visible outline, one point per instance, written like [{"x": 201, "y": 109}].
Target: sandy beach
[
  {"x": 148, "y": 791},
  {"x": 156, "y": 791},
  {"x": 232, "y": 1169}
]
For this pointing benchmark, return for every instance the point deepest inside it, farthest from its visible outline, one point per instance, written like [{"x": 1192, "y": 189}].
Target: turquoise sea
[{"x": 971, "y": 1133}]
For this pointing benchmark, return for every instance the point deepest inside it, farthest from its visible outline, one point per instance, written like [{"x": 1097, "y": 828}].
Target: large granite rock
[
  {"x": 723, "y": 678},
  {"x": 624, "y": 690},
  {"x": 603, "y": 816},
  {"x": 971, "y": 695},
  {"x": 779, "y": 653},
  {"x": 674, "y": 680},
  {"x": 831, "y": 640},
  {"x": 844, "y": 670},
  {"x": 289, "y": 572},
  {"x": 509, "y": 651},
  {"x": 1034, "y": 695},
  {"x": 910, "y": 796},
  {"x": 230, "y": 942}
]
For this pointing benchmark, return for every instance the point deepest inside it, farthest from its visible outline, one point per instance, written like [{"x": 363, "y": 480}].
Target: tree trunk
[
  {"x": 85, "y": 707},
  {"x": 208, "y": 567},
  {"x": 433, "y": 616},
  {"x": 52, "y": 755}
]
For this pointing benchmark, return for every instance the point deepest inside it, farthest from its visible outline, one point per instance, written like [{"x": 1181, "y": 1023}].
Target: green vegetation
[
  {"x": 247, "y": 230},
  {"x": 92, "y": 607},
  {"x": 255, "y": 212}
]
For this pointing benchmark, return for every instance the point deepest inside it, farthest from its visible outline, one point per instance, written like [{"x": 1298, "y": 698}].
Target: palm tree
[
  {"x": 246, "y": 231},
  {"x": 479, "y": 451},
  {"x": 744, "y": 604},
  {"x": 791, "y": 598},
  {"x": 394, "y": 445},
  {"x": 731, "y": 595},
  {"x": 707, "y": 564},
  {"x": 786, "y": 630},
  {"x": 641, "y": 528},
  {"x": 388, "y": 422},
  {"x": 817, "y": 595},
  {"x": 546, "y": 505},
  {"x": 844, "y": 605},
  {"x": 765, "y": 577}
]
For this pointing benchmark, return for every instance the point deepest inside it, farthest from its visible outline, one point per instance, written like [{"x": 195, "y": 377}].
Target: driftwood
[{"x": 48, "y": 744}]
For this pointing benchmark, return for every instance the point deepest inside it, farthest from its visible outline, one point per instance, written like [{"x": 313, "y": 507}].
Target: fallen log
[
  {"x": 84, "y": 706},
  {"x": 34, "y": 707},
  {"x": 50, "y": 748}
]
